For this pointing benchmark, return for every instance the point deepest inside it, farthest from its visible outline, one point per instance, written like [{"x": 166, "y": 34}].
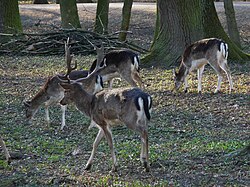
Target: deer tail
[
  {"x": 144, "y": 102},
  {"x": 223, "y": 48},
  {"x": 136, "y": 62}
]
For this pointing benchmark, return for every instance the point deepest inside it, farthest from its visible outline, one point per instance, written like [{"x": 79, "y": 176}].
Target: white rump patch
[
  {"x": 149, "y": 103},
  {"x": 98, "y": 85},
  {"x": 224, "y": 49},
  {"x": 136, "y": 63},
  {"x": 140, "y": 113}
]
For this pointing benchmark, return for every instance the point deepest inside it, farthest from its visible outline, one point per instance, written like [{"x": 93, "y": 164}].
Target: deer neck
[
  {"x": 39, "y": 98},
  {"x": 183, "y": 70},
  {"x": 84, "y": 102}
]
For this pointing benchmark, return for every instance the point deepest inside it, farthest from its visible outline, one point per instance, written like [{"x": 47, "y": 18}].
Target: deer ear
[{"x": 26, "y": 103}]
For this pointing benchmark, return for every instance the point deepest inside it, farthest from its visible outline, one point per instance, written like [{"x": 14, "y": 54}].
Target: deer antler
[
  {"x": 100, "y": 59},
  {"x": 69, "y": 58}
]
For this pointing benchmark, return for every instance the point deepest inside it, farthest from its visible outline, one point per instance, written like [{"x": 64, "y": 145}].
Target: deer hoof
[
  {"x": 217, "y": 91},
  {"x": 88, "y": 167},
  {"x": 114, "y": 169},
  {"x": 145, "y": 164}
]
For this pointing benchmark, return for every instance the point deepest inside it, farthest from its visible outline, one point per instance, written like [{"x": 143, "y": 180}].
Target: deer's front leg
[
  {"x": 63, "y": 108},
  {"x": 199, "y": 73},
  {"x": 186, "y": 84},
  {"x": 47, "y": 114},
  {"x": 108, "y": 135},
  {"x": 95, "y": 145}
]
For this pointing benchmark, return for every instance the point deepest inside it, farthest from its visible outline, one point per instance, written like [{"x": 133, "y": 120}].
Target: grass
[{"x": 189, "y": 134}]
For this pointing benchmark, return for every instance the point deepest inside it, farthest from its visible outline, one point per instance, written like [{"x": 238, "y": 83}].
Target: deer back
[
  {"x": 207, "y": 49},
  {"x": 118, "y": 61}
]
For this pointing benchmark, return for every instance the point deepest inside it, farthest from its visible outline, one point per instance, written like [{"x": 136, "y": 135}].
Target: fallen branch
[{"x": 52, "y": 43}]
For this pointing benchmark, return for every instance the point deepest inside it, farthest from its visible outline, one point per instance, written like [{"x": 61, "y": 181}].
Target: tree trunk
[
  {"x": 126, "y": 13},
  {"x": 10, "y": 21},
  {"x": 40, "y": 2},
  {"x": 210, "y": 22},
  {"x": 180, "y": 23},
  {"x": 101, "y": 20},
  {"x": 69, "y": 14},
  {"x": 231, "y": 22},
  {"x": 84, "y": 1}
]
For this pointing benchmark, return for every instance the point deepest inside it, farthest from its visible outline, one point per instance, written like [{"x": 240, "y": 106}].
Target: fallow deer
[
  {"x": 107, "y": 108},
  {"x": 210, "y": 51},
  {"x": 52, "y": 93},
  {"x": 120, "y": 63}
]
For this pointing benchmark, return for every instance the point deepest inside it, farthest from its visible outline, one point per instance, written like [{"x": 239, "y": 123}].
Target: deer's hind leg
[
  {"x": 225, "y": 67},
  {"x": 219, "y": 72},
  {"x": 144, "y": 157}
]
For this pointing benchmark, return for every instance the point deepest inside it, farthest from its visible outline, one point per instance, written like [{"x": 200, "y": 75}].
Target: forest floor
[{"x": 192, "y": 137}]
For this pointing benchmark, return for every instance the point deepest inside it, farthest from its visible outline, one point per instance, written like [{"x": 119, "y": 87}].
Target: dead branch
[{"x": 52, "y": 43}]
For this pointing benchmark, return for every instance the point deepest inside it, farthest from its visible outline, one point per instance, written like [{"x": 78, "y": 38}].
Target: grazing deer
[
  {"x": 120, "y": 63},
  {"x": 210, "y": 51},
  {"x": 52, "y": 93},
  {"x": 6, "y": 152},
  {"x": 108, "y": 108}
]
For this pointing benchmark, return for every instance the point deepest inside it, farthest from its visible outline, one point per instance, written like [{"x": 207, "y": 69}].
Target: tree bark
[
  {"x": 126, "y": 14},
  {"x": 101, "y": 20},
  {"x": 182, "y": 22},
  {"x": 210, "y": 22},
  {"x": 178, "y": 24},
  {"x": 40, "y": 2},
  {"x": 84, "y": 1},
  {"x": 69, "y": 14},
  {"x": 10, "y": 21},
  {"x": 231, "y": 22}
]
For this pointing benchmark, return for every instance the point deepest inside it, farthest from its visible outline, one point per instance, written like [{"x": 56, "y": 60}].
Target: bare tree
[
  {"x": 101, "y": 20},
  {"x": 10, "y": 21},
  {"x": 231, "y": 22},
  {"x": 126, "y": 13},
  {"x": 40, "y": 2},
  {"x": 69, "y": 14}
]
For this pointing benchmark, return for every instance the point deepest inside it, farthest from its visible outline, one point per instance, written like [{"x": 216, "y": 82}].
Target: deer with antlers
[
  {"x": 107, "y": 108},
  {"x": 210, "y": 51},
  {"x": 120, "y": 63},
  {"x": 52, "y": 93}
]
